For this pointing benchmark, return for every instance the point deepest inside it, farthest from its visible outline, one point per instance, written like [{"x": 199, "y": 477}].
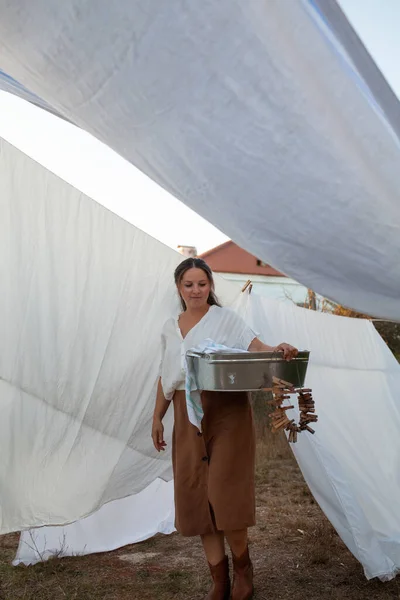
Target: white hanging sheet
[
  {"x": 352, "y": 462},
  {"x": 267, "y": 118},
  {"x": 118, "y": 523},
  {"x": 85, "y": 296}
]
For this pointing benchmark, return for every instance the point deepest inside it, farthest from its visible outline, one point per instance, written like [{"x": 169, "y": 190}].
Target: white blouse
[{"x": 222, "y": 325}]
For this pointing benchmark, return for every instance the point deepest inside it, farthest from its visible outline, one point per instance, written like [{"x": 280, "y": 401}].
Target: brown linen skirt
[{"x": 214, "y": 470}]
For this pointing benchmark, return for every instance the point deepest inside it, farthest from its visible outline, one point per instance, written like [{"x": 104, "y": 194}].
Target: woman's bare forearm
[
  {"x": 259, "y": 346},
  {"x": 288, "y": 351}
]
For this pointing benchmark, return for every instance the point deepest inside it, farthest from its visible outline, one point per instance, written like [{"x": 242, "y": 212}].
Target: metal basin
[{"x": 247, "y": 371}]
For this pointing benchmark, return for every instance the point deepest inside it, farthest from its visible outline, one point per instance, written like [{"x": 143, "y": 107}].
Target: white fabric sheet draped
[
  {"x": 267, "y": 118},
  {"x": 351, "y": 464},
  {"x": 85, "y": 296},
  {"x": 118, "y": 523}
]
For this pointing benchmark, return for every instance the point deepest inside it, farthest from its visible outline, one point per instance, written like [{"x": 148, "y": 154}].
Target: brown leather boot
[
  {"x": 221, "y": 588},
  {"x": 243, "y": 588}
]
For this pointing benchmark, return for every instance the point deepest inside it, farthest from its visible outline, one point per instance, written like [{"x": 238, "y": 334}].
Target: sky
[
  {"x": 377, "y": 22},
  {"x": 100, "y": 173}
]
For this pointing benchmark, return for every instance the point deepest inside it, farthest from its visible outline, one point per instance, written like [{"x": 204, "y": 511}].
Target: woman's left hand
[{"x": 289, "y": 351}]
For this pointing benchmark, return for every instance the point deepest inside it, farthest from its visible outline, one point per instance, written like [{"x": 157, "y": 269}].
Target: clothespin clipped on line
[{"x": 249, "y": 285}]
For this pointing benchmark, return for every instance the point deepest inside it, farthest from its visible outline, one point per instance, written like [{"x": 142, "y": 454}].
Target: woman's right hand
[{"x": 157, "y": 433}]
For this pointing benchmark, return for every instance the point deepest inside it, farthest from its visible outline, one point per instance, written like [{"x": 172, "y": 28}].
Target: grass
[{"x": 296, "y": 553}]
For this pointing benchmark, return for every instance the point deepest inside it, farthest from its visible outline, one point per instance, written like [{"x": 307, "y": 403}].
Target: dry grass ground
[{"x": 296, "y": 552}]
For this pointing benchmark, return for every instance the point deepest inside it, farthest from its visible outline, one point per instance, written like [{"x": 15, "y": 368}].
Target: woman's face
[{"x": 194, "y": 288}]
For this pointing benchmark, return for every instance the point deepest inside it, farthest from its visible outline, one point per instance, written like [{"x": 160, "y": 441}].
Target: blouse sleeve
[
  {"x": 165, "y": 367},
  {"x": 243, "y": 334},
  {"x": 246, "y": 337},
  {"x": 163, "y": 346}
]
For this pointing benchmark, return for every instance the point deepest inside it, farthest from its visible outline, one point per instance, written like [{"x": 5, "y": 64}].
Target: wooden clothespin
[{"x": 246, "y": 285}]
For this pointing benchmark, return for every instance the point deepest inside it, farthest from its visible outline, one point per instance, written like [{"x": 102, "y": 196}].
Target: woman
[{"x": 213, "y": 465}]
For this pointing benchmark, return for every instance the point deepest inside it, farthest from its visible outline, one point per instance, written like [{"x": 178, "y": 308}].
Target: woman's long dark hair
[{"x": 196, "y": 263}]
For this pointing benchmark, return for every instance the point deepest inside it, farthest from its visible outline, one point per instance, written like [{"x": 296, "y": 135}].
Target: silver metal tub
[{"x": 247, "y": 371}]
